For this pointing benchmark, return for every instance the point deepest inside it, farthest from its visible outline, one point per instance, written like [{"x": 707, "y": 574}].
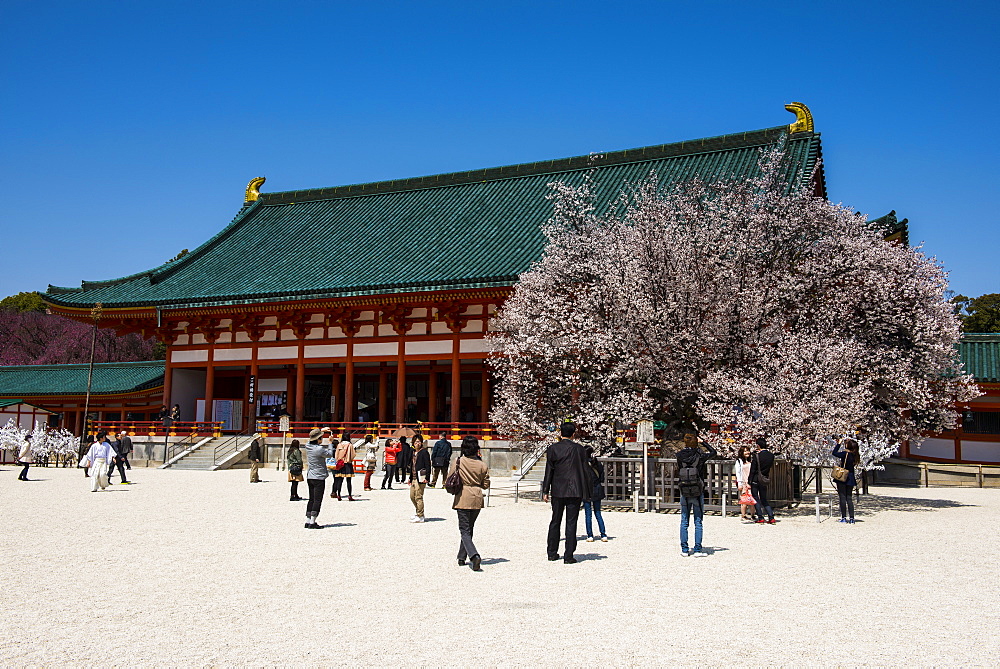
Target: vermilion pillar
[
  {"x": 350, "y": 410},
  {"x": 401, "y": 382},
  {"x": 456, "y": 379}
]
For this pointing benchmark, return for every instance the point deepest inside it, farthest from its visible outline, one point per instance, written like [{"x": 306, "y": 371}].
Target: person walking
[
  {"x": 85, "y": 443},
  {"x": 440, "y": 459},
  {"x": 100, "y": 454},
  {"x": 255, "y": 457},
  {"x": 117, "y": 461},
  {"x": 592, "y": 504},
  {"x": 405, "y": 455},
  {"x": 317, "y": 451},
  {"x": 24, "y": 458},
  {"x": 567, "y": 480},
  {"x": 392, "y": 449},
  {"x": 691, "y": 476},
  {"x": 343, "y": 456},
  {"x": 741, "y": 470},
  {"x": 371, "y": 460},
  {"x": 760, "y": 477},
  {"x": 468, "y": 502},
  {"x": 293, "y": 463},
  {"x": 125, "y": 449},
  {"x": 849, "y": 457},
  {"x": 420, "y": 472}
]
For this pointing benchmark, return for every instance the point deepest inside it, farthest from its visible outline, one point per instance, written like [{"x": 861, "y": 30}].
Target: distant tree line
[
  {"x": 978, "y": 314},
  {"x": 30, "y": 336}
]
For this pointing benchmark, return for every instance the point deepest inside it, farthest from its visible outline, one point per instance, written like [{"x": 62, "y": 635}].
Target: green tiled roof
[
  {"x": 109, "y": 378},
  {"x": 981, "y": 356},
  {"x": 461, "y": 230}
]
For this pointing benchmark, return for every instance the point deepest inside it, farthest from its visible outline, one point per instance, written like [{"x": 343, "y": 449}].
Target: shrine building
[{"x": 371, "y": 301}]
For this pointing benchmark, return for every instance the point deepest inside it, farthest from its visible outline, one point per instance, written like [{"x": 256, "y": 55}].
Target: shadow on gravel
[
  {"x": 868, "y": 504},
  {"x": 339, "y": 525},
  {"x": 494, "y": 560},
  {"x": 434, "y": 520},
  {"x": 580, "y": 557}
]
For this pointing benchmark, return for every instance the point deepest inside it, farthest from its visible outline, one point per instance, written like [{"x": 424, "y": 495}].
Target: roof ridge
[{"x": 717, "y": 143}]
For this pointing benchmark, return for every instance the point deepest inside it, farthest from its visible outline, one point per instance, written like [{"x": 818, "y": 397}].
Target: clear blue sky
[{"x": 129, "y": 130}]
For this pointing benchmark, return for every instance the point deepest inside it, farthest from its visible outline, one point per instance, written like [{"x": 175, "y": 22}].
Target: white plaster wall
[
  {"x": 233, "y": 354},
  {"x": 277, "y": 352},
  {"x": 438, "y": 327},
  {"x": 225, "y": 338},
  {"x": 326, "y": 351},
  {"x": 473, "y": 326},
  {"x": 386, "y": 331},
  {"x": 189, "y": 356},
  {"x": 982, "y": 451},
  {"x": 474, "y": 346},
  {"x": 428, "y": 347},
  {"x": 935, "y": 448},
  {"x": 387, "y": 348}
]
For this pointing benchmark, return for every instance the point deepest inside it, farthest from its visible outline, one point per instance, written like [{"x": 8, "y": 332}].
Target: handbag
[
  {"x": 295, "y": 469},
  {"x": 747, "y": 498},
  {"x": 340, "y": 464},
  {"x": 841, "y": 473},
  {"x": 453, "y": 484},
  {"x": 761, "y": 479}
]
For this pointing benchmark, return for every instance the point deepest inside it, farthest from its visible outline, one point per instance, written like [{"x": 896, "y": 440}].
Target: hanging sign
[{"x": 253, "y": 389}]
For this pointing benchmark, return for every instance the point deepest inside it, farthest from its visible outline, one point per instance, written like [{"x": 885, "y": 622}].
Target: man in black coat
[
  {"x": 567, "y": 480},
  {"x": 125, "y": 449},
  {"x": 119, "y": 460},
  {"x": 441, "y": 459},
  {"x": 405, "y": 458},
  {"x": 760, "y": 473}
]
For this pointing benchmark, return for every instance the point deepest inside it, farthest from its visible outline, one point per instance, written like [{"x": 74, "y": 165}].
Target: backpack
[{"x": 689, "y": 479}]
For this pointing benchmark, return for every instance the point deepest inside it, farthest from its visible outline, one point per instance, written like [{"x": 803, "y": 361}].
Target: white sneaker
[
  {"x": 684, "y": 553},
  {"x": 590, "y": 539},
  {"x": 604, "y": 538},
  {"x": 417, "y": 519},
  {"x": 700, "y": 553}
]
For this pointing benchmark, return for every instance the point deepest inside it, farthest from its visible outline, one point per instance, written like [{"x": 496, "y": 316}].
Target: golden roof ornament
[
  {"x": 253, "y": 189},
  {"x": 803, "y": 118}
]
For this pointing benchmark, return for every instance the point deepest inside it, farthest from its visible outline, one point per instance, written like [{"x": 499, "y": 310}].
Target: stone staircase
[
  {"x": 537, "y": 471},
  {"x": 202, "y": 455}
]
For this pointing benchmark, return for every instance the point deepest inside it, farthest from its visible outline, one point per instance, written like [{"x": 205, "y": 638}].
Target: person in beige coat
[{"x": 469, "y": 502}]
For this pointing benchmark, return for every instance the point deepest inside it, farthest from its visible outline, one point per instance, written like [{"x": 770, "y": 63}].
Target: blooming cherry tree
[{"x": 739, "y": 304}]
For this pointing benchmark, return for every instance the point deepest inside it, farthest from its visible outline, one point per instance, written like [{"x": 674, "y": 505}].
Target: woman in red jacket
[{"x": 392, "y": 449}]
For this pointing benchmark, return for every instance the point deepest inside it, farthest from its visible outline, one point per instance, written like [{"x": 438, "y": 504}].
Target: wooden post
[
  {"x": 456, "y": 381},
  {"x": 168, "y": 379},
  {"x": 300, "y": 385},
  {"x": 401, "y": 381},
  {"x": 209, "y": 387},
  {"x": 350, "y": 410},
  {"x": 335, "y": 410},
  {"x": 251, "y": 410}
]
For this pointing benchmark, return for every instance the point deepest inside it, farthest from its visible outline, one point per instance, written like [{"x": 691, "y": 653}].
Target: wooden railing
[
  {"x": 623, "y": 479},
  {"x": 429, "y": 431},
  {"x": 157, "y": 429}
]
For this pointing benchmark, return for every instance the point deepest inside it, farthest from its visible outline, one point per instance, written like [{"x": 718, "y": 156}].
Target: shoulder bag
[
  {"x": 453, "y": 484},
  {"x": 761, "y": 479},
  {"x": 841, "y": 473}
]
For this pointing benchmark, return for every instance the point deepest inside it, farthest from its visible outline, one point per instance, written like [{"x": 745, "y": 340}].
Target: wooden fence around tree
[{"x": 623, "y": 479}]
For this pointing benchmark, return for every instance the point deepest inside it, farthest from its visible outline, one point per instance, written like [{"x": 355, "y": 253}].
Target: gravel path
[{"x": 203, "y": 568}]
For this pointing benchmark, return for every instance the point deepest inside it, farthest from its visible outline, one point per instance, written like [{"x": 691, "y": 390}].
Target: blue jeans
[
  {"x": 594, "y": 506},
  {"x": 689, "y": 504}
]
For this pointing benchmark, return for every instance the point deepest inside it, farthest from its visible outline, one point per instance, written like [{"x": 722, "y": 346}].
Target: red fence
[
  {"x": 157, "y": 429},
  {"x": 300, "y": 429}
]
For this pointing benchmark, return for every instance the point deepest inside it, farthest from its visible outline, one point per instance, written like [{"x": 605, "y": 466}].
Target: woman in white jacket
[
  {"x": 24, "y": 457},
  {"x": 741, "y": 470}
]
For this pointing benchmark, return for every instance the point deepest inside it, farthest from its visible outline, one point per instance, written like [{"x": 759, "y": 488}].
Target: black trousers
[
  {"x": 390, "y": 472},
  {"x": 846, "y": 501},
  {"x": 124, "y": 458},
  {"x": 121, "y": 469},
  {"x": 763, "y": 506},
  {"x": 443, "y": 471},
  {"x": 316, "y": 489},
  {"x": 338, "y": 485},
  {"x": 466, "y": 527},
  {"x": 571, "y": 507},
  {"x": 24, "y": 473}
]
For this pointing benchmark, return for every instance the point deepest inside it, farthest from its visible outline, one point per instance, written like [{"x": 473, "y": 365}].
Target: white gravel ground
[{"x": 202, "y": 568}]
